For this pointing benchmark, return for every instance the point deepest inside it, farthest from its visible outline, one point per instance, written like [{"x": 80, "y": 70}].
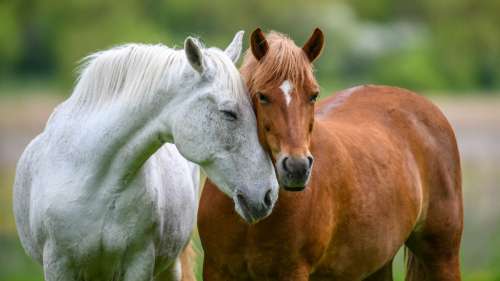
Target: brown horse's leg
[
  {"x": 187, "y": 260},
  {"x": 444, "y": 268},
  {"x": 212, "y": 273},
  {"x": 295, "y": 273},
  {"x": 383, "y": 274},
  {"x": 435, "y": 246},
  {"x": 434, "y": 255}
]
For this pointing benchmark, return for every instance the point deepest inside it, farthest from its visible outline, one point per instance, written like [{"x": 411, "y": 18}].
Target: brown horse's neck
[
  {"x": 322, "y": 136},
  {"x": 331, "y": 157}
]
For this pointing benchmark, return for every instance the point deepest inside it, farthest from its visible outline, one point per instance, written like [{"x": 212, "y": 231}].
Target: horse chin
[
  {"x": 293, "y": 185},
  {"x": 245, "y": 214}
]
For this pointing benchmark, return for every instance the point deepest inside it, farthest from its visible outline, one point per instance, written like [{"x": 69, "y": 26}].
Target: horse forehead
[{"x": 287, "y": 88}]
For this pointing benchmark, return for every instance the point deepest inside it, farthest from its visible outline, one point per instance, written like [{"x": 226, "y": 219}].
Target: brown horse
[{"x": 386, "y": 174}]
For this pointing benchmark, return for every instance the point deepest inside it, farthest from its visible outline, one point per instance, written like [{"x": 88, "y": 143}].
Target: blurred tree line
[{"x": 422, "y": 45}]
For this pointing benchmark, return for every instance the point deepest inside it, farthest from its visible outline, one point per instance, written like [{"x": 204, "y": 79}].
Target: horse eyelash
[
  {"x": 314, "y": 97},
  {"x": 263, "y": 98},
  {"x": 230, "y": 115}
]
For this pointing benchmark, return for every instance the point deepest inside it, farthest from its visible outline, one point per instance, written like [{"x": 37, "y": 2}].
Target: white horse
[{"x": 98, "y": 196}]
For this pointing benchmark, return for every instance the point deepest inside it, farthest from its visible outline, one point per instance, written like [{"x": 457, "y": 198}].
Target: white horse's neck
[
  {"x": 117, "y": 139},
  {"x": 150, "y": 128}
]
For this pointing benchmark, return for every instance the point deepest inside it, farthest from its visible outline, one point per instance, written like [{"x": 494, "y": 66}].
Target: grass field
[{"x": 476, "y": 120}]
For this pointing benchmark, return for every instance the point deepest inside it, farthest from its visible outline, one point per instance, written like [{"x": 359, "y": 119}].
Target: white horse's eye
[{"x": 229, "y": 115}]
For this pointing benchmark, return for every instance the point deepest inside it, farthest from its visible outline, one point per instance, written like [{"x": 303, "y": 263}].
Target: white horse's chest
[{"x": 101, "y": 223}]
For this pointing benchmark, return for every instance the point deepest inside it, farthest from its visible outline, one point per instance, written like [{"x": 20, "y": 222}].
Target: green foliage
[
  {"x": 455, "y": 43},
  {"x": 9, "y": 39},
  {"x": 15, "y": 265},
  {"x": 412, "y": 69},
  {"x": 463, "y": 36}
]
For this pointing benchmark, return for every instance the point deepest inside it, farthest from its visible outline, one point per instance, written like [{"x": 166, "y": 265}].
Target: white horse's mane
[{"x": 134, "y": 72}]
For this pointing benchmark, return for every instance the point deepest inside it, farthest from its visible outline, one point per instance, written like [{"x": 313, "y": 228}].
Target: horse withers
[
  {"x": 380, "y": 167},
  {"x": 105, "y": 191}
]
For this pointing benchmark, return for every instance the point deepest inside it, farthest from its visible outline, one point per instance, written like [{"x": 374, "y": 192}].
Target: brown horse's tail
[
  {"x": 415, "y": 270},
  {"x": 188, "y": 256}
]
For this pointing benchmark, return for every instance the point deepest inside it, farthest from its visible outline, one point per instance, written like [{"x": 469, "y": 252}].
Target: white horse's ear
[
  {"x": 233, "y": 51},
  {"x": 194, "y": 54}
]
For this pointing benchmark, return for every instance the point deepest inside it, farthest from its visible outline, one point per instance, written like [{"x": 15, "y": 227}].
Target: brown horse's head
[{"x": 280, "y": 79}]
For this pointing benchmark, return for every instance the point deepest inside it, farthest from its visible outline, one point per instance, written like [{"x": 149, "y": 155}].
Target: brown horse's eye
[
  {"x": 313, "y": 97},
  {"x": 267, "y": 128},
  {"x": 263, "y": 98}
]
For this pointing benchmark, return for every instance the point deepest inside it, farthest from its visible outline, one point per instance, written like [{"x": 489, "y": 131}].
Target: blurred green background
[{"x": 448, "y": 50}]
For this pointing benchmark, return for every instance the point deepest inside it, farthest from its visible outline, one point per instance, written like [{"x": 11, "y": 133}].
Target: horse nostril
[
  {"x": 241, "y": 199},
  {"x": 311, "y": 160},
  {"x": 268, "y": 201},
  {"x": 284, "y": 164}
]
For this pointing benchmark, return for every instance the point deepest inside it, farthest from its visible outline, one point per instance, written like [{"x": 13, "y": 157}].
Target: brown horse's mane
[{"x": 283, "y": 61}]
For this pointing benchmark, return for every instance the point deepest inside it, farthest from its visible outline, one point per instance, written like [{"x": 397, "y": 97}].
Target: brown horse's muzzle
[{"x": 294, "y": 171}]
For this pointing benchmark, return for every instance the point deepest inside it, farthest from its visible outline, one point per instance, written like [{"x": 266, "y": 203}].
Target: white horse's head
[{"x": 216, "y": 128}]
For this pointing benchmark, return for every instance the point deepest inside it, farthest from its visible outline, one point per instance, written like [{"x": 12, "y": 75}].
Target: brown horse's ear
[
  {"x": 258, "y": 44},
  {"x": 314, "y": 45}
]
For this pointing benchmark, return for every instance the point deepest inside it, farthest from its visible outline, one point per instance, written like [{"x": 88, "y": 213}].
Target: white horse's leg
[
  {"x": 140, "y": 265},
  {"x": 56, "y": 267}
]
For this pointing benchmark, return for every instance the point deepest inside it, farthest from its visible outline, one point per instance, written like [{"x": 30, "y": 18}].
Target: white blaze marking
[{"x": 287, "y": 88}]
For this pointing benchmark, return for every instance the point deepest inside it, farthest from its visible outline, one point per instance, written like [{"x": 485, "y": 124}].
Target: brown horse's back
[{"x": 386, "y": 173}]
